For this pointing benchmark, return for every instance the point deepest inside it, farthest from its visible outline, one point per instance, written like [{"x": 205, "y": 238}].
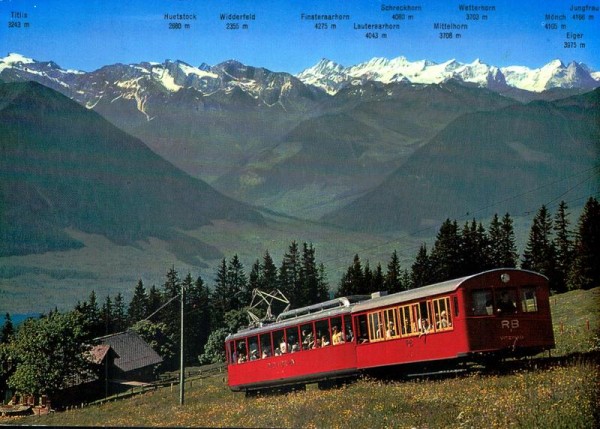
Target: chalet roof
[
  {"x": 98, "y": 353},
  {"x": 132, "y": 351}
]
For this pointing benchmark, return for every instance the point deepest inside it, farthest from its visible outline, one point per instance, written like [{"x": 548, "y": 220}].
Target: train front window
[
  {"x": 506, "y": 301},
  {"x": 241, "y": 351},
  {"x": 528, "y": 300},
  {"x": 482, "y": 302}
]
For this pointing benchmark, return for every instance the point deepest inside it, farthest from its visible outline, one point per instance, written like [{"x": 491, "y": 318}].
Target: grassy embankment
[{"x": 533, "y": 396}]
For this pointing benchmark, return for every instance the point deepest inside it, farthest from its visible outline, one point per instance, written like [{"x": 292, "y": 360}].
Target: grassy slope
[{"x": 558, "y": 396}]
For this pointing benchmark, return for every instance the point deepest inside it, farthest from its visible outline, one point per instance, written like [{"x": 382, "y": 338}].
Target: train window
[
  {"x": 425, "y": 318},
  {"x": 362, "y": 331},
  {"x": 376, "y": 326},
  {"x": 266, "y": 347},
  {"x": 391, "y": 325},
  {"x": 253, "y": 348},
  {"x": 281, "y": 346},
  {"x": 322, "y": 328},
  {"x": 506, "y": 301},
  {"x": 348, "y": 334},
  {"x": 308, "y": 336},
  {"x": 442, "y": 314},
  {"x": 482, "y": 304},
  {"x": 241, "y": 354},
  {"x": 409, "y": 314},
  {"x": 293, "y": 342},
  {"x": 528, "y": 300},
  {"x": 337, "y": 336}
]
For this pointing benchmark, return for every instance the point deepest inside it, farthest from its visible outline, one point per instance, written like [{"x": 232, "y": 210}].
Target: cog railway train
[{"x": 486, "y": 316}]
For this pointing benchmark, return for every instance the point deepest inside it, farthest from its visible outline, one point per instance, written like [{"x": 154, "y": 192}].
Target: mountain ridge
[{"x": 65, "y": 166}]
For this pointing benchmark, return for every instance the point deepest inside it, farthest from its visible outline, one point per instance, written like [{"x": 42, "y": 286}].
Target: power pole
[{"x": 181, "y": 367}]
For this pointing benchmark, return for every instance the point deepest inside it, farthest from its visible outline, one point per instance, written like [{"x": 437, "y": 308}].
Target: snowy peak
[
  {"x": 552, "y": 75},
  {"x": 332, "y": 77}
]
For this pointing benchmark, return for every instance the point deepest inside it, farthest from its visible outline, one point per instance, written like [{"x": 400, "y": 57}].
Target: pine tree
[
  {"x": 421, "y": 270},
  {"x": 170, "y": 314},
  {"x": 539, "y": 254},
  {"x": 474, "y": 244},
  {"x": 106, "y": 316},
  {"x": 378, "y": 280},
  {"x": 154, "y": 302},
  {"x": 269, "y": 274},
  {"x": 119, "y": 318},
  {"x": 563, "y": 243},
  {"x": 254, "y": 278},
  {"x": 445, "y": 256},
  {"x": 310, "y": 280},
  {"x": 353, "y": 282},
  {"x": 323, "y": 286},
  {"x": 138, "y": 307},
  {"x": 585, "y": 273},
  {"x": 501, "y": 248},
  {"x": 368, "y": 285},
  {"x": 494, "y": 250},
  {"x": 222, "y": 300},
  {"x": 199, "y": 316},
  {"x": 406, "y": 279},
  {"x": 239, "y": 282},
  {"x": 393, "y": 282},
  {"x": 93, "y": 320},
  {"x": 508, "y": 248},
  {"x": 289, "y": 276}
]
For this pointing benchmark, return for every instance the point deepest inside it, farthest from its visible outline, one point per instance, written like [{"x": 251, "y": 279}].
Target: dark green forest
[{"x": 568, "y": 254}]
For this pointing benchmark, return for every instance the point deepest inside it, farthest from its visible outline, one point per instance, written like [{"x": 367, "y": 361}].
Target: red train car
[{"x": 497, "y": 313}]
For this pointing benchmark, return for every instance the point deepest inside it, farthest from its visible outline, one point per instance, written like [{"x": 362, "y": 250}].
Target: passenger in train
[
  {"x": 242, "y": 358},
  {"x": 307, "y": 340},
  {"x": 391, "y": 330},
  {"x": 424, "y": 327},
  {"x": 283, "y": 347},
  {"x": 266, "y": 353},
  {"x": 349, "y": 334},
  {"x": 337, "y": 337},
  {"x": 443, "y": 322},
  {"x": 324, "y": 340},
  {"x": 506, "y": 305}
]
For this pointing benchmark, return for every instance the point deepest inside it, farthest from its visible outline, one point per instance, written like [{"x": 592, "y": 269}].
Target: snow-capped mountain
[
  {"x": 332, "y": 77},
  {"x": 553, "y": 75},
  {"x": 139, "y": 82}
]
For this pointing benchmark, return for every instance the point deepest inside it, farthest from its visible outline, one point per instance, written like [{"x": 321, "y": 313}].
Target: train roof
[
  {"x": 358, "y": 303},
  {"x": 430, "y": 290},
  {"x": 334, "y": 307}
]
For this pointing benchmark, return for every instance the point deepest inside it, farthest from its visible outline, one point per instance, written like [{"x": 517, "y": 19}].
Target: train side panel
[{"x": 298, "y": 367}]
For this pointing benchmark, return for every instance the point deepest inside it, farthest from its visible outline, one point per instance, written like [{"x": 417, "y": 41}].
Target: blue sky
[{"x": 87, "y": 34}]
